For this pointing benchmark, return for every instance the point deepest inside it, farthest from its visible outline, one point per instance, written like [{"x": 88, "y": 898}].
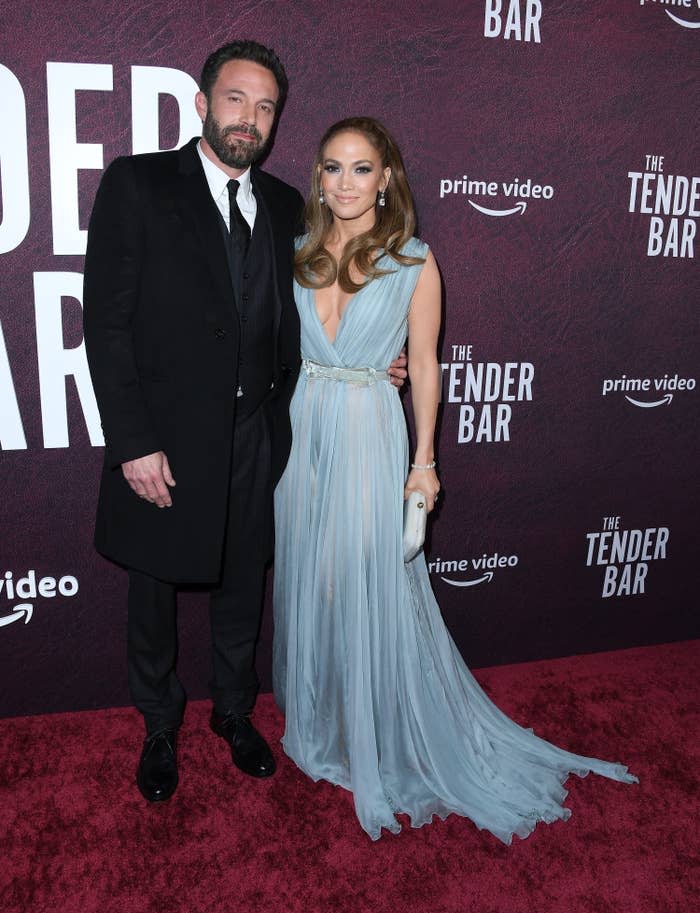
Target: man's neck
[{"x": 214, "y": 158}]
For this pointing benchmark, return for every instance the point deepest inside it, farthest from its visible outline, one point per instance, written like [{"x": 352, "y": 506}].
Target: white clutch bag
[{"x": 415, "y": 517}]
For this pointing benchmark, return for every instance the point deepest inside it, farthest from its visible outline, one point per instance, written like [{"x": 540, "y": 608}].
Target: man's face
[{"x": 240, "y": 113}]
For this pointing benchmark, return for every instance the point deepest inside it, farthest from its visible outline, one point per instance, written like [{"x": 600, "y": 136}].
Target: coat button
[
  {"x": 244, "y": 318},
  {"x": 219, "y": 333}
]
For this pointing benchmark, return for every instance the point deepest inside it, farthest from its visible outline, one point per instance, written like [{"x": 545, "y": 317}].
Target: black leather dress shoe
[
  {"x": 156, "y": 776},
  {"x": 249, "y": 750}
]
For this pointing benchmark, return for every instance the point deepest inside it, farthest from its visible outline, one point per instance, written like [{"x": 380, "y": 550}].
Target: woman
[{"x": 377, "y": 698}]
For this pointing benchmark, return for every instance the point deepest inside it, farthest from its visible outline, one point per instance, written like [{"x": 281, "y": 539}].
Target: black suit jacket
[{"x": 162, "y": 338}]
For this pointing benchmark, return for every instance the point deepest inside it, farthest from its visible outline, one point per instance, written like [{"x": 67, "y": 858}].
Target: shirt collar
[{"x": 217, "y": 179}]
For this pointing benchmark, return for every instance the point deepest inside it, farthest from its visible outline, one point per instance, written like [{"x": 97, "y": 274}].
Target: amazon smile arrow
[
  {"x": 519, "y": 207},
  {"x": 683, "y": 22},
  {"x": 19, "y": 611},
  {"x": 487, "y": 578},
  {"x": 659, "y": 402}
]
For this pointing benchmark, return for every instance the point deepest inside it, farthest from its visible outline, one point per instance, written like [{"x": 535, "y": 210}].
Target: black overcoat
[{"x": 162, "y": 338}]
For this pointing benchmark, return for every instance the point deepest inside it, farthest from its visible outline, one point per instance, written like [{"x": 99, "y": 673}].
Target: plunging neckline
[{"x": 350, "y": 300}]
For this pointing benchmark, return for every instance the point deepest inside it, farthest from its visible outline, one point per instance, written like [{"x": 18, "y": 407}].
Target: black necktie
[{"x": 238, "y": 227}]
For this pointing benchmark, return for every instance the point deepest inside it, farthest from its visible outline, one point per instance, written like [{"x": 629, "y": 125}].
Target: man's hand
[
  {"x": 149, "y": 477},
  {"x": 397, "y": 369}
]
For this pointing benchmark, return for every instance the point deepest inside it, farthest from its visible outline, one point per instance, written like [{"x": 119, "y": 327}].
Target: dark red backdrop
[{"x": 567, "y": 284}]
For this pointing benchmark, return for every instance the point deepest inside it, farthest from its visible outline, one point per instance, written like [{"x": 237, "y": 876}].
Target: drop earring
[
  {"x": 382, "y": 198},
  {"x": 321, "y": 198}
]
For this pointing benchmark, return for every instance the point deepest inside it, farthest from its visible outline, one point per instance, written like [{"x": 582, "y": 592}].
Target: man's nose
[{"x": 249, "y": 113}]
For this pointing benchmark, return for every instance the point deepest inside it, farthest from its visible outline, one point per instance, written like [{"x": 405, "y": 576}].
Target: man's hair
[{"x": 244, "y": 50}]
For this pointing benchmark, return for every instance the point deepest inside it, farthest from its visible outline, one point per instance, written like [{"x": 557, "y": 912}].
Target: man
[{"x": 193, "y": 342}]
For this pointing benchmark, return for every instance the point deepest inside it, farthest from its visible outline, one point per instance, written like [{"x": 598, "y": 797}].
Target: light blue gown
[{"x": 376, "y": 696}]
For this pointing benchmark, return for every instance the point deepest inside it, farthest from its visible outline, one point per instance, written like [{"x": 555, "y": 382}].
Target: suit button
[
  {"x": 219, "y": 333},
  {"x": 246, "y": 276},
  {"x": 244, "y": 297},
  {"x": 244, "y": 318}
]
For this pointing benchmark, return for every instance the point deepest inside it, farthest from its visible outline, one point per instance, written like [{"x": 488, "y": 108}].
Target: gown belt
[{"x": 362, "y": 376}]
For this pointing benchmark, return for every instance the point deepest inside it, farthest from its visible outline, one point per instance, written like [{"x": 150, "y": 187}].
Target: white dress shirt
[{"x": 218, "y": 180}]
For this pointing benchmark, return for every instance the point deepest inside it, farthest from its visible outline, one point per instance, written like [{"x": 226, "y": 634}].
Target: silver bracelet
[{"x": 424, "y": 466}]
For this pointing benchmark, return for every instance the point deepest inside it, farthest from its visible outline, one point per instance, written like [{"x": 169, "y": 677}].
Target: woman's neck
[{"x": 343, "y": 231}]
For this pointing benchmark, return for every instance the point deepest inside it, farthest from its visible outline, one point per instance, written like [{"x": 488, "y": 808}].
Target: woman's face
[{"x": 351, "y": 177}]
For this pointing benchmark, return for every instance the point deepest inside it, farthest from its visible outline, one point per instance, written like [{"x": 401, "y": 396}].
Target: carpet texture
[{"x": 76, "y": 837}]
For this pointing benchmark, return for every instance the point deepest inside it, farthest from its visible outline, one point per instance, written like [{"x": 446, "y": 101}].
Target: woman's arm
[{"x": 424, "y": 373}]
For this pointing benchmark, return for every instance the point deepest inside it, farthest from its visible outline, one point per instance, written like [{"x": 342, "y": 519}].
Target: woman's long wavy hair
[{"x": 314, "y": 266}]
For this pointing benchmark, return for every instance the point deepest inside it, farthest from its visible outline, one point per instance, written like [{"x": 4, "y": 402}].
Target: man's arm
[
  {"x": 113, "y": 265},
  {"x": 111, "y": 290}
]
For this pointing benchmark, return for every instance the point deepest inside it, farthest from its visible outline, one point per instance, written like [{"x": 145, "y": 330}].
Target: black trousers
[{"x": 235, "y": 603}]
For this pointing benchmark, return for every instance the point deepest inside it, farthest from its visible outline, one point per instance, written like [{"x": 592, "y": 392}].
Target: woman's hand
[{"x": 425, "y": 481}]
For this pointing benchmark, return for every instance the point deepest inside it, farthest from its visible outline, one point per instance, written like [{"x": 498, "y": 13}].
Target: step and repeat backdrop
[{"x": 553, "y": 152}]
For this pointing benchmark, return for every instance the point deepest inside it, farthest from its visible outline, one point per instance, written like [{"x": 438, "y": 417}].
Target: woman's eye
[
  {"x": 331, "y": 169},
  {"x": 363, "y": 169}
]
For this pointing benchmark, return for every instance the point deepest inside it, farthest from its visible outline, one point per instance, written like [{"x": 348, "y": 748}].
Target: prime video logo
[
  {"x": 683, "y": 4},
  {"x": 651, "y": 386},
  {"x": 484, "y": 567},
  {"x": 29, "y": 587},
  {"x": 472, "y": 187}
]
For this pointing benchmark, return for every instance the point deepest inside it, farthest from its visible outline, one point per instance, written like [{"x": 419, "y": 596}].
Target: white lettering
[
  {"x": 68, "y": 585},
  {"x": 56, "y": 362},
  {"x": 11, "y": 430},
  {"x": 14, "y": 163},
  {"x": 147, "y": 85},
  {"x": 66, "y": 154},
  {"x": 47, "y": 587}
]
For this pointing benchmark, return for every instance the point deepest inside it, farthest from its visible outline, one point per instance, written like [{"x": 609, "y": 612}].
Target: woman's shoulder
[{"x": 414, "y": 247}]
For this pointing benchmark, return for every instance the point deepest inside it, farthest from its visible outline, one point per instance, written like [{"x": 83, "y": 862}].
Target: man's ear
[{"x": 201, "y": 104}]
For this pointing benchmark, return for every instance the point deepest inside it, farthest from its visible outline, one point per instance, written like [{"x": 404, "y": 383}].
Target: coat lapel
[{"x": 198, "y": 207}]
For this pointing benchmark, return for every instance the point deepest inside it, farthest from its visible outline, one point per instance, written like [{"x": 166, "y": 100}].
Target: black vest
[{"x": 254, "y": 294}]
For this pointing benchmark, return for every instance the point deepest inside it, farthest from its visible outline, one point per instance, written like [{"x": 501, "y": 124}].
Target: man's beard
[{"x": 235, "y": 153}]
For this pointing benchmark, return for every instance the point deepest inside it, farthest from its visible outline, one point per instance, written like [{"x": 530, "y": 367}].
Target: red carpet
[{"x": 78, "y": 838}]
